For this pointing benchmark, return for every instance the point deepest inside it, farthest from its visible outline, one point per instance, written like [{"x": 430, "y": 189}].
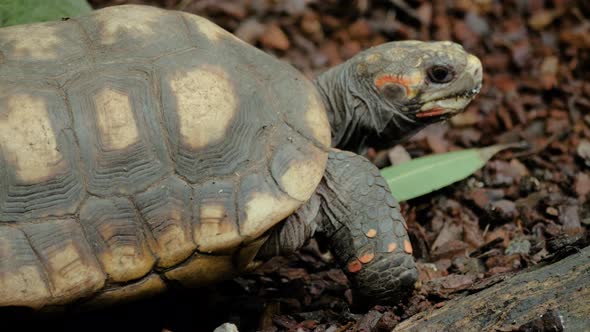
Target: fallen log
[{"x": 554, "y": 297}]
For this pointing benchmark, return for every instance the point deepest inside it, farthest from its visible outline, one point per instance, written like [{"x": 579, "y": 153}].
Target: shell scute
[
  {"x": 165, "y": 209},
  {"x": 38, "y": 169},
  {"x": 66, "y": 257},
  {"x": 118, "y": 239},
  {"x": 117, "y": 127}
]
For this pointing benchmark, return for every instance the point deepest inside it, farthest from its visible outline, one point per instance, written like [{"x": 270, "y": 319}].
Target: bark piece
[{"x": 561, "y": 288}]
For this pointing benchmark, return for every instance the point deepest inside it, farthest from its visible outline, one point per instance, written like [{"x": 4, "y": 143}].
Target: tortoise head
[{"x": 395, "y": 89}]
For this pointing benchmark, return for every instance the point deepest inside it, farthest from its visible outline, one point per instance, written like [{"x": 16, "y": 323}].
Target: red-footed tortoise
[{"x": 141, "y": 148}]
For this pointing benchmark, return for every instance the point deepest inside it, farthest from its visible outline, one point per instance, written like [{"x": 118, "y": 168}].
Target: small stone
[
  {"x": 552, "y": 211},
  {"x": 504, "y": 209},
  {"x": 226, "y": 327},
  {"x": 518, "y": 246},
  {"x": 398, "y": 155}
]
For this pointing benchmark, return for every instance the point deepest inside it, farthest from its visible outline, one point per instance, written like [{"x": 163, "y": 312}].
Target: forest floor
[{"x": 510, "y": 215}]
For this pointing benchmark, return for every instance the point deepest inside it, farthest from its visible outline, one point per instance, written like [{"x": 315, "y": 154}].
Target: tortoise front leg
[
  {"x": 355, "y": 211},
  {"x": 365, "y": 229}
]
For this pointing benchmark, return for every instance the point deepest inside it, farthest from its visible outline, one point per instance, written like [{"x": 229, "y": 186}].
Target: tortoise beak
[{"x": 475, "y": 68}]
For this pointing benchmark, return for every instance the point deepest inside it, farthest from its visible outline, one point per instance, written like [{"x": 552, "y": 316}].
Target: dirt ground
[{"x": 507, "y": 217}]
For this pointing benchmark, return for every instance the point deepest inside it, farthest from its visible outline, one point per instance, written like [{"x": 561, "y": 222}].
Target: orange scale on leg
[{"x": 354, "y": 266}]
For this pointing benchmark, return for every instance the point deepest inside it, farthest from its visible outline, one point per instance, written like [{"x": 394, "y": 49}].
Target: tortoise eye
[{"x": 439, "y": 74}]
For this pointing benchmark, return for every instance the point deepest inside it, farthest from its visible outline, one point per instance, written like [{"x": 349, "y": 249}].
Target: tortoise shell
[{"x": 140, "y": 146}]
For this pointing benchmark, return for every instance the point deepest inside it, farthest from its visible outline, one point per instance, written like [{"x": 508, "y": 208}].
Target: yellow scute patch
[
  {"x": 24, "y": 286},
  {"x": 27, "y": 138},
  {"x": 174, "y": 245},
  {"x": 263, "y": 210},
  {"x": 124, "y": 261},
  {"x": 33, "y": 42},
  {"x": 115, "y": 119},
  {"x": 206, "y": 104},
  {"x": 212, "y": 211},
  {"x": 215, "y": 231},
  {"x": 70, "y": 272},
  {"x": 302, "y": 177},
  {"x": 120, "y": 23},
  {"x": 317, "y": 120}
]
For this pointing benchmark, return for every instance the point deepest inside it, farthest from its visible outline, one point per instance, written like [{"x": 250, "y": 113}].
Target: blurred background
[{"x": 504, "y": 218}]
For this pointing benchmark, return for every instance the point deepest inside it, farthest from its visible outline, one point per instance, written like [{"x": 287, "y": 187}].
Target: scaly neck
[{"x": 357, "y": 119}]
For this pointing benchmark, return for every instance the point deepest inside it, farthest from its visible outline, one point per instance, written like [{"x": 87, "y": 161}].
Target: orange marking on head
[
  {"x": 371, "y": 233},
  {"x": 407, "y": 247},
  {"x": 391, "y": 247},
  {"x": 354, "y": 266},
  {"x": 405, "y": 81},
  {"x": 365, "y": 258},
  {"x": 382, "y": 80},
  {"x": 433, "y": 112}
]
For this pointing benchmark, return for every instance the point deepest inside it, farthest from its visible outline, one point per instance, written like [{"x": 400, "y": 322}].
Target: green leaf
[
  {"x": 14, "y": 12},
  {"x": 423, "y": 175}
]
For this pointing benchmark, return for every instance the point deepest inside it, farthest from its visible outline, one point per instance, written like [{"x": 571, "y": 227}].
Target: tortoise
[{"x": 142, "y": 148}]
